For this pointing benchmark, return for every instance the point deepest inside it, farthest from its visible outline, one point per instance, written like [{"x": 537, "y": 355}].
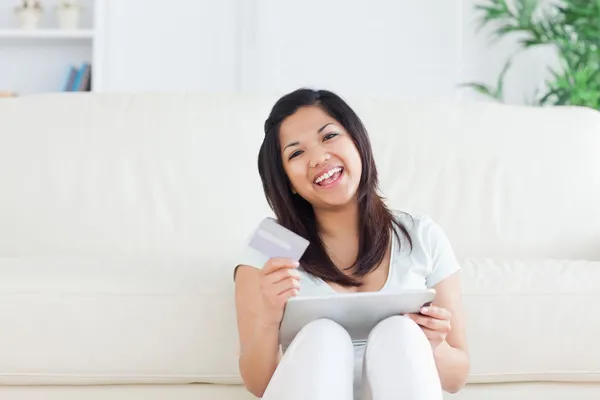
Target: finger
[
  {"x": 288, "y": 293},
  {"x": 431, "y": 323},
  {"x": 281, "y": 299},
  {"x": 278, "y": 263},
  {"x": 286, "y": 284},
  {"x": 436, "y": 312},
  {"x": 434, "y": 335},
  {"x": 419, "y": 319},
  {"x": 281, "y": 274}
]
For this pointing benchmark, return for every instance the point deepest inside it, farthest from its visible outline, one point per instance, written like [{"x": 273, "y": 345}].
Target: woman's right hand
[{"x": 279, "y": 280}]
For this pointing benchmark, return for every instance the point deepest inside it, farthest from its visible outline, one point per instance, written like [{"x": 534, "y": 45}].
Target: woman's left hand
[{"x": 435, "y": 323}]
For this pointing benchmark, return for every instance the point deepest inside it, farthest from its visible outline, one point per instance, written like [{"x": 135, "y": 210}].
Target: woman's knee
[
  {"x": 398, "y": 327},
  {"x": 326, "y": 328},
  {"x": 325, "y": 332},
  {"x": 399, "y": 359}
]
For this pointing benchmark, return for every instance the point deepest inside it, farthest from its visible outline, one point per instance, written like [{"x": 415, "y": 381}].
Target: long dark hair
[{"x": 293, "y": 212}]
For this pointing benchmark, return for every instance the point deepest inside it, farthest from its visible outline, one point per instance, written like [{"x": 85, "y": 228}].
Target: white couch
[{"x": 121, "y": 216}]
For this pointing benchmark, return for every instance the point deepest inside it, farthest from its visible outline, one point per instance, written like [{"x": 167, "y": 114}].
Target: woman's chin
[
  {"x": 341, "y": 196},
  {"x": 334, "y": 201}
]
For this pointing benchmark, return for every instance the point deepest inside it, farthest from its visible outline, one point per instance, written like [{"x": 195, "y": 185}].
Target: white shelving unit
[
  {"x": 38, "y": 60},
  {"x": 45, "y": 34}
]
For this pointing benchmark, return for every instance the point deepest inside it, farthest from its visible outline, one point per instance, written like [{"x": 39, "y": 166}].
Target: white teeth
[{"x": 328, "y": 174}]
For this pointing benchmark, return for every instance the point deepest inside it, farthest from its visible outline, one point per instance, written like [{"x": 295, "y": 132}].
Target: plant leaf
[
  {"x": 571, "y": 27},
  {"x": 483, "y": 89},
  {"x": 499, "y": 94}
]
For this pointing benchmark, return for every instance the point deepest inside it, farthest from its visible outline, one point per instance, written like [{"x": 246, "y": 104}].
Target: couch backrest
[{"x": 175, "y": 174}]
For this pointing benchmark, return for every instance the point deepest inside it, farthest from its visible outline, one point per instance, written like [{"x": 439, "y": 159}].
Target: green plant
[{"x": 571, "y": 26}]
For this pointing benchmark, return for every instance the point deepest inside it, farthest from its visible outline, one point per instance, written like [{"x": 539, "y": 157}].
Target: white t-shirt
[{"x": 430, "y": 261}]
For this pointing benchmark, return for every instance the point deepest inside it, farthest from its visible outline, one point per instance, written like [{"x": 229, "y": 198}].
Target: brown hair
[{"x": 293, "y": 212}]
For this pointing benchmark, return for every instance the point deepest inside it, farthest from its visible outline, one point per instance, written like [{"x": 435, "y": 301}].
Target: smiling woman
[
  {"x": 310, "y": 134},
  {"x": 324, "y": 147},
  {"x": 320, "y": 178}
]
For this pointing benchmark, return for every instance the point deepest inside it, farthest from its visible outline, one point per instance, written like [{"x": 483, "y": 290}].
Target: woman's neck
[{"x": 338, "y": 223}]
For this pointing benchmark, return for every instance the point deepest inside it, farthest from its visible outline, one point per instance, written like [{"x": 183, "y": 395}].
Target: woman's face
[{"x": 319, "y": 158}]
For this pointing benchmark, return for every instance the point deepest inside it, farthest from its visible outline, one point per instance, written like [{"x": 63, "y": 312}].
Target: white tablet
[{"x": 357, "y": 312}]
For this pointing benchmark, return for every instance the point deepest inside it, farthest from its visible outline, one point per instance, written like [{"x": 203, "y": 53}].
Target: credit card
[{"x": 273, "y": 240}]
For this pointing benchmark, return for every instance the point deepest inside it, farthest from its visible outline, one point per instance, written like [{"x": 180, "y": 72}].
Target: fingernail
[
  {"x": 296, "y": 263},
  {"x": 424, "y": 309}
]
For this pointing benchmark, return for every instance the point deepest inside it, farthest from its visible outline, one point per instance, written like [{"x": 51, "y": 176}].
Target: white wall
[
  {"x": 179, "y": 45},
  {"x": 419, "y": 48},
  {"x": 377, "y": 47},
  {"x": 29, "y": 66}
]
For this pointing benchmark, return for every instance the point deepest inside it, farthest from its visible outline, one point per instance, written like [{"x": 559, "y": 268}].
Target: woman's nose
[{"x": 319, "y": 159}]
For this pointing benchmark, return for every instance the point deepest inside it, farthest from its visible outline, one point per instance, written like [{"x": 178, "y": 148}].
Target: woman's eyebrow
[
  {"x": 291, "y": 144},
  {"x": 319, "y": 131},
  {"x": 324, "y": 126}
]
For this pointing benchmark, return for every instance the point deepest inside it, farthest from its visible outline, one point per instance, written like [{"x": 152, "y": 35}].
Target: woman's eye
[
  {"x": 329, "y": 136},
  {"x": 295, "y": 154}
]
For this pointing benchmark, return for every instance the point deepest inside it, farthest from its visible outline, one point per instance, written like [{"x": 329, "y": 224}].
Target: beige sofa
[{"x": 121, "y": 216}]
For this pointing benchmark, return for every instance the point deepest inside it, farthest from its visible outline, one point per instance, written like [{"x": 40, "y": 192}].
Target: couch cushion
[
  {"x": 533, "y": 320},
  {"x": 114, "y": 321},
  {"x": 143, "y": 174},
  {"x": 83, "y": 321}
]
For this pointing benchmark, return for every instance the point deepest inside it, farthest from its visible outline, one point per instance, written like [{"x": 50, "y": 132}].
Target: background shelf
[{"x": 42, "y": 35}]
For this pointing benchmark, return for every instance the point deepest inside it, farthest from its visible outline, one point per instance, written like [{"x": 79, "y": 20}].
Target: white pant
[{"x": 319, "y": 364}]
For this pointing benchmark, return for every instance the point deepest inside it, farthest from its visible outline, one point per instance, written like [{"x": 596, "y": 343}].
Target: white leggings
[{"x": 319, "y": 364}]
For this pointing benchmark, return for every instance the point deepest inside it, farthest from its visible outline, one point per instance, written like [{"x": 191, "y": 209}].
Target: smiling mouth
[{"x": 330, "y": 177}]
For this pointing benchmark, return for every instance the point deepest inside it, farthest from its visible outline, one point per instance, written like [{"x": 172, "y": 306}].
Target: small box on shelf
[
  {"x": 31, "y": 12},
  {"x": 69, "y": 14}
]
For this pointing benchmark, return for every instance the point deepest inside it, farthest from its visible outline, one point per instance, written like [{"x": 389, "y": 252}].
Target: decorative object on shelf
[
  {"x": 29, "y": 14},
  {"x": 79, "y": 79},
  {"x": 572, "y": 27},
  {"x": 69, "y": 14}
]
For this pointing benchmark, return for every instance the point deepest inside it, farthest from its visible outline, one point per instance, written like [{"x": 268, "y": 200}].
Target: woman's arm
[
  {"x": 444, "y": 325},
  {"x": 451, "y": 356},
  {"x": 259, "y": 338},
  {"x": 444, "y": 322}
]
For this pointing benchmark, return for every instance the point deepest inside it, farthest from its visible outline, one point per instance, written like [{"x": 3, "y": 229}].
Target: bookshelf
[
  {"x": 41, "y": 60},
  {"x": 44, "y": 35}
]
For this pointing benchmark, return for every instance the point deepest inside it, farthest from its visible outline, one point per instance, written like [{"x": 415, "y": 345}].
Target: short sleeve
[
  {"x": 442, "y": 257},
  {"x": 249, "y": 256}
]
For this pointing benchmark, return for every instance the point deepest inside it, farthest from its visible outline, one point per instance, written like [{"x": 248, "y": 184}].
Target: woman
[{"x": 320, "y": 179}]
